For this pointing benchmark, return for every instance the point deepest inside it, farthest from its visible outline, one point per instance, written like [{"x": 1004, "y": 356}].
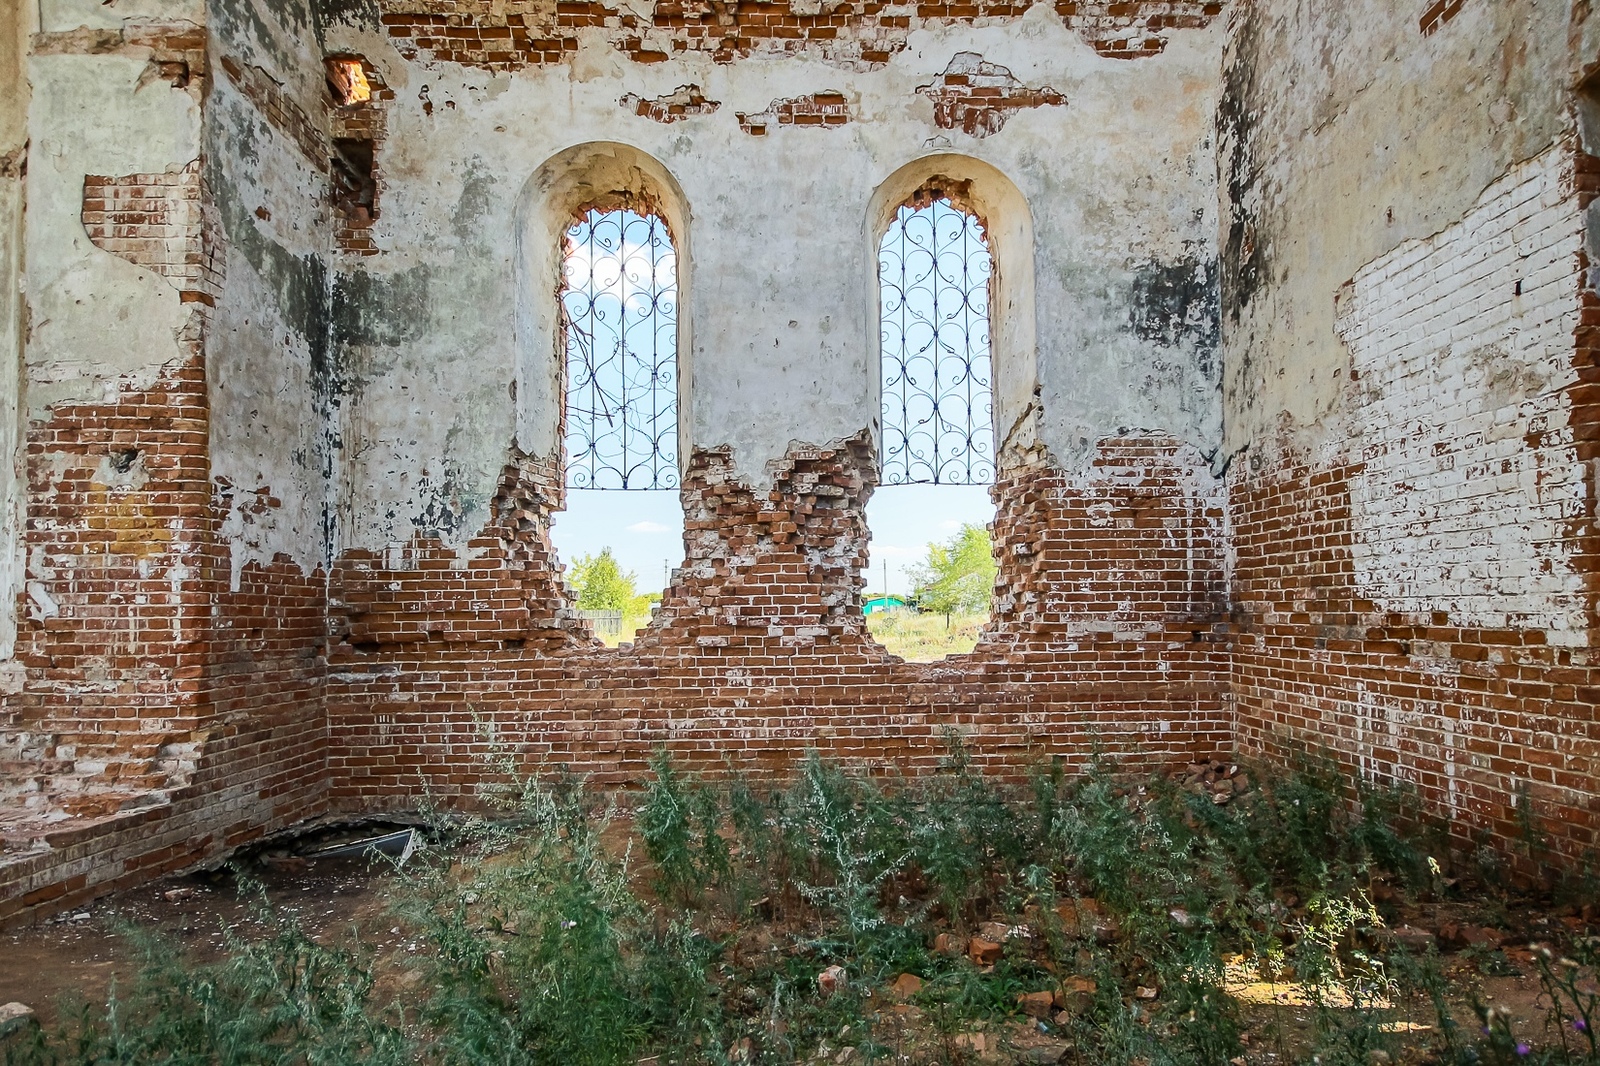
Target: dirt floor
[
  {"x": 1489, "y": 950},
  {"x": 79, "y": 954}
]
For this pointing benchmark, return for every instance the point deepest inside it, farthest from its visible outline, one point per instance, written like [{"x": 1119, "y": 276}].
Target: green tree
[
  {"x": 958, "y": 575},
  {"x": 600, "y": 584}
]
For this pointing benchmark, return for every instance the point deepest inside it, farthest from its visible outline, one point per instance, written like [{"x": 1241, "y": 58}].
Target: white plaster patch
[
  {"x": 1461, "y": 349},
  {"x": 86, "y": 118}
]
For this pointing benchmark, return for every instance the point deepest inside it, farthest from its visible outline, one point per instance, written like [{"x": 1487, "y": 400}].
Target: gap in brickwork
[
  {"x": 620, "y": 549},
  {"x": 621, "y": 531},
  {"x": 932, "y": 518},
  {"x": 930, "y": 568}
]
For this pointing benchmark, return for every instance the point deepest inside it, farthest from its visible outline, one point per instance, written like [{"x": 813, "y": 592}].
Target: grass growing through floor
[
  {"x": 731, "y": 924},
  {"x": 924, "y": 638}
]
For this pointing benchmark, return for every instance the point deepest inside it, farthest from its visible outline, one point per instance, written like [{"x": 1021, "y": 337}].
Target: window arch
[
  {"x": 949, "y": 241},
  {"x": 934, "y": 270},
  {"x": 979, "y": 192},
  {"x": 603, "y": 373},
  {"x": 619, "y": 314},
  {"x": 609, "y": 180}
]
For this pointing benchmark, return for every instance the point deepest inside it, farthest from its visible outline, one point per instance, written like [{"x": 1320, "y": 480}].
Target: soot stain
[{"x": 1179, "y": 304}]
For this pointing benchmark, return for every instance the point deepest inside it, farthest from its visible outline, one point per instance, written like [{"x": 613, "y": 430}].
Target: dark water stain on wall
[
  {"x": 1244, "y": 257},
  {"x": 1179, "y": 305},
  {"x": 358, "y": 13}
]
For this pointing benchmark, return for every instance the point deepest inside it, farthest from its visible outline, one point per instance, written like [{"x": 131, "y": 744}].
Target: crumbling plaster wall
[
  {"x": 273, "y": 378},
  {"x": 1408, "y": 410},
  {"x": 90, "y": 113},
  {"x": 16, "y": 26},
  {"x": 1346, "y": 131},
  {"x": 1119, "y": 180}
]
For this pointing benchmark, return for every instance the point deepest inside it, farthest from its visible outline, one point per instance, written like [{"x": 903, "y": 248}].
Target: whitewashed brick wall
[{"x": 1462, "y": 347}]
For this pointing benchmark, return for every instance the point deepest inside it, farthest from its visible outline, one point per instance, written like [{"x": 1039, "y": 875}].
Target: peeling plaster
[
  {"x": 1326, "y": 180},
  {"x": 1120, "y": 183},
  {"x": 78, "y": 295}
]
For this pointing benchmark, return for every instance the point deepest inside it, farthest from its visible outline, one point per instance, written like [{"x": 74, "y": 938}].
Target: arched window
[
  {"x": 931, "y": 516},
  {"x": 619, "y": 309},
  {"x": 934, "y": 268}
]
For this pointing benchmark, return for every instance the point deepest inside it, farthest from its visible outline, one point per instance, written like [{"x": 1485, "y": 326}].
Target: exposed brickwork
[
  {"x": 114, "y": 632},
  {"x": 176, "y": 50},
  {"x": 686, "y": 101},
  {"x": 822, "y": 110},
  {"x": 1119, "y": 30},
  {"x": 760, "y": 650},
  {"x": 782, "y": 566},
  {"x": 160, "y": 221},
  {"x": 504, "y": 587},
  {"x": 862, "y": 34},
  {"x": 1421, "y": 600},
  {"x": 1439, "y": 12},
  {"x": 306, "y": 132},
  {"x": 976, "y": 96},
  {"x": 163, "y": 718},
  {"x": 357, "y": 131}
]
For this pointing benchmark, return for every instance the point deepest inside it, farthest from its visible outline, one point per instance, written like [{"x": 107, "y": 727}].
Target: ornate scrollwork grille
[
  {"x": 933, "y": 283},
  {"x": 619, "y": 309}
]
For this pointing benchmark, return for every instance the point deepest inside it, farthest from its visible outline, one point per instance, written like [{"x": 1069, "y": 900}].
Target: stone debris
[
  {"x": 1409, "y": 936},
  {"x": 15, "y": 1016},
  {"x": 906, "y": 985},
  {"x": 1075, "y": 996},
  {"x": 983, "y": 952},
  {"x": 832, "y": 980},
  {"x": 1221, "y": 781},
  {"x": 1036, "y": 1004},
  {"x": 1046, "y": 1054}
]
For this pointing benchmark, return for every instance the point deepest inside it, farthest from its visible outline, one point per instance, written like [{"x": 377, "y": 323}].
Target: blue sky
[{"x": 644, "y": 530}]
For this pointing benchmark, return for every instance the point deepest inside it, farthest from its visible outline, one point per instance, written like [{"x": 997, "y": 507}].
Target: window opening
[
  {"x": 619, "y": 316},
  {"x": 931, "y": 568},
  {"x": 619, "y": 303},
  {"x": 934, "y": 268}
]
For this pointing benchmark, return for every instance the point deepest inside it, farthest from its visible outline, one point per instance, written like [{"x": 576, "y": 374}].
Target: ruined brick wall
[
  {"x": 1413, "y": 508},
  {"x": 16, "y": 23},
  {"x": 863, "y": 34},
  {"x": 170, "y": 705},
  {"x": 760, "y": 651}
]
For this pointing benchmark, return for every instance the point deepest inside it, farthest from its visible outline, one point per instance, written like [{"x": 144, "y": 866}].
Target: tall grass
[
  {"x": 919, "y": 637},
  {"x": 540, "y": 939}
]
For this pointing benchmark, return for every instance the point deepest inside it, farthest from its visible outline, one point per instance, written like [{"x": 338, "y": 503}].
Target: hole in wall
[
  {"x": 622, "y": 529},
  {"x": 354, "y": 177},
  {"x": 931, "y": 569},
  {"x": 347, "y": 80},
  {"x": 122, "y": 461}
]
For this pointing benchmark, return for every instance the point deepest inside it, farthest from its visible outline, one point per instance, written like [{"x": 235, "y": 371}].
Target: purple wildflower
[
  {"x": 1523, "y": 1049},
  {"x": 1580, "y": 1025}
]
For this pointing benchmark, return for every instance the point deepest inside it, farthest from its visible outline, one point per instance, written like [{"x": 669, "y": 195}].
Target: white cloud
[
  {"x": 950, "y": 523},
  {"x": 649, "y": 527}
]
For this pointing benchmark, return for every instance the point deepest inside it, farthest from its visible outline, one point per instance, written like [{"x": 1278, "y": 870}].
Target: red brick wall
[
  {"x": 158, "y": 221},
  {"x": 862, "y": 33},
  {"x": 169, "y": 717},
  {"x": 827, "y": 110},
  {"x": 1416, "y": 594},
  {"x": 760, "y": 649},
  {"x": 976, "y": 96}
]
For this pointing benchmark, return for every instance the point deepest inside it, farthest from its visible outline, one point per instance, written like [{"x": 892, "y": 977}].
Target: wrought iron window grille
[
  {"x": 934, "y": 267},
  {"x": 619, "y": 312}
]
